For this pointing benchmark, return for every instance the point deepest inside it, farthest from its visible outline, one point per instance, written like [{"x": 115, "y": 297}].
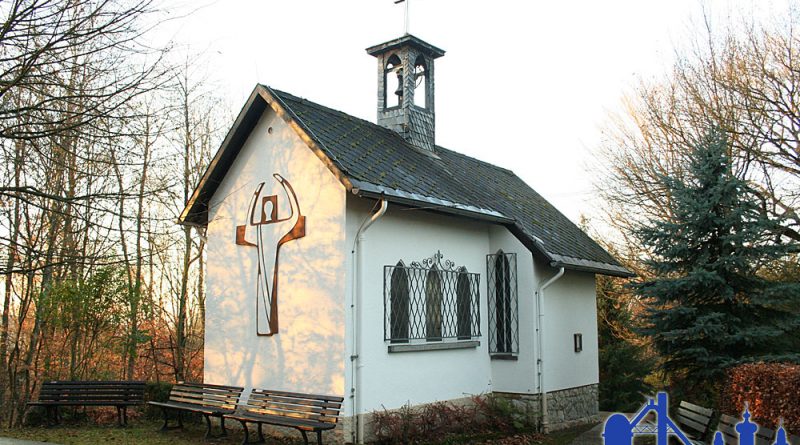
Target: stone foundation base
[
  {"x": 565, "y": 408},
  {"x": 569, "y": 407}
]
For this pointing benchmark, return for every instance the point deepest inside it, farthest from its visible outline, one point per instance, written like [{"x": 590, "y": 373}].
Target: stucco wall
[
  {"x": 518, "y": 376},
  {"x": 308, "y": 353},
  {"x": 391, "y": 380},
  {"x": 570, "y": 307}
]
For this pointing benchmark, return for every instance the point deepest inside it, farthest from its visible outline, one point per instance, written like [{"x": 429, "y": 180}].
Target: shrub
[
  {"x": 396, "y": 427},
  {"x": 155, "y": 392},
  {"x": 486, "y": 414},
  {"x": 497, "y": 413},
  {"x": 770, "y": 389}
]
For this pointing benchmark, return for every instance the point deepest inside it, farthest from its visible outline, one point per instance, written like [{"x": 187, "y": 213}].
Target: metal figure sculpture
[{"x": 286, "y": 229}]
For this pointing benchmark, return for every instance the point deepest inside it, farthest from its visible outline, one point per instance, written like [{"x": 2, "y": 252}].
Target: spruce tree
[{"x": 712, "y": 306}]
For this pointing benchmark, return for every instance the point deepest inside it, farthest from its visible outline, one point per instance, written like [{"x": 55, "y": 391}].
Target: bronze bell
[{"x": 399, "y": 90}]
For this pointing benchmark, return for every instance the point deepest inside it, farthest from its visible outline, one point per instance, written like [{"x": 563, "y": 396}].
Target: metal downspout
[
  {"x": 355, "y": 308},
  {"x": 540, "y": 341}
]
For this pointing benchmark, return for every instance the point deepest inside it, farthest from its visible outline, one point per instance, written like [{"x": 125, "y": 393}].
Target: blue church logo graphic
[{"x": 619, "y": 430}]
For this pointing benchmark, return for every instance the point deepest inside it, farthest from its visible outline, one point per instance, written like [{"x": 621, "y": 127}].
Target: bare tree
[
  {"x": 199, "y": 127},
  {"x": 40, "y": 39},
  {"x": 744, "y": 77}
]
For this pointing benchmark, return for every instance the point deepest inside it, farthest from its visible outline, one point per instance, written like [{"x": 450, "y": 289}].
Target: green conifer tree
[
  {"x": 712, "y": 305},
  {"x": 624, "y": 362}
]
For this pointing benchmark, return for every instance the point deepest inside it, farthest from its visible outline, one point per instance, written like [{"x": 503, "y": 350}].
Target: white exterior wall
[
  {"x": 519, "y": 375},
  {"x": 570, "y": 306},
  {"x": 308, "y": 353},
  {"x": 391, "y": 380}
]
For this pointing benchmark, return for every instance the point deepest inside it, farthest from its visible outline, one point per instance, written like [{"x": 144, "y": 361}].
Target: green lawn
[
  {"x": 147, "y": 432},
  {"x": 138, "y": 432}
]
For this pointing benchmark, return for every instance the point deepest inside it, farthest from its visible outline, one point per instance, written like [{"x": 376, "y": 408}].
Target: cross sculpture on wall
[{"x": 270, "y": 230}]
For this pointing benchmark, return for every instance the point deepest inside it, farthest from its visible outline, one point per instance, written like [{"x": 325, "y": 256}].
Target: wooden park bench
[
  {"x": 201, "y": 398},
  {"x": 119, "y": 394},
  {"x": 727, "y": 426},
  {"x": 694, "y": 421},
  {"x": 303, "y": 412}
]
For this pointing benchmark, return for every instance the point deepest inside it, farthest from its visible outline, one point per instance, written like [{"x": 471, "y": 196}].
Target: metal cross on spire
[{"x": 406, "y": 15}]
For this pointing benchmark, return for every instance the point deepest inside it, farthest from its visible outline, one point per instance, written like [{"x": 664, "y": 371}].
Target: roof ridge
[
  {"x": 317, "y": 105},
  {"x": 309, "y": 102}
]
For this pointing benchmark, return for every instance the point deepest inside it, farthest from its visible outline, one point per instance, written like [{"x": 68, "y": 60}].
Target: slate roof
[{"x": 377, "y": 162}]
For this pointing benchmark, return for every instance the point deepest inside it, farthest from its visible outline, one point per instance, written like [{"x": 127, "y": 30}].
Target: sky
[{"x": 526, "y": 85}]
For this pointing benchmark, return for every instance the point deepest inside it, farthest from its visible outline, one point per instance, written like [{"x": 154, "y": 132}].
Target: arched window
[
  {"x": 420, "y": 83},
  {"x": 399, "y": 304},
  {"x": 393, "y": 82},
  {"x": 503, "y": 297},
  {"x": 503, "y": 317},
  {"x": 433, "y": 305},
  {"x": 430, "y": 300},
  {"x": 463, "y": 305}
]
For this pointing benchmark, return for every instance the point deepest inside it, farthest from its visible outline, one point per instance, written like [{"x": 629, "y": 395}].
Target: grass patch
[
  {"x": 137, "y": 432},
  {"x": 147, "y": 432}
]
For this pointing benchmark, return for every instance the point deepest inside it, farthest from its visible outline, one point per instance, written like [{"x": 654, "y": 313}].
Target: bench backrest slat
[
  {"x": 696, "y": 418},
  {"x": 315, "y": 407},
  {"x": 216, "y": 396},
  {"x": 92, "y": 391},
  {"x": 727, "y": 426},
  {"x": 764, "y": 436}
]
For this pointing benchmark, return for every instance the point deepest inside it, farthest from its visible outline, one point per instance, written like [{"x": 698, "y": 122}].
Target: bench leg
[
  {"x": 122, "y": 416},
  {"x": 166, "y": 426},
  {"x": 51, "y": 414},
  {"x": 319, "y": 437},
  {"x": 208, "y": 427},
  {"x": 166, "y": 419},
  {"x": 246, "y": 440},
  {"x": 305, "y": 436}
]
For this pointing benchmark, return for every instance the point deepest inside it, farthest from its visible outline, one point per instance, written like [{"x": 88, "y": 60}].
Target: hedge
[{"x": 772, "y": 391}]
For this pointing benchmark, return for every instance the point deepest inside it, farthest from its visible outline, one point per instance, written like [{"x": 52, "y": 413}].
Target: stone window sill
[
  {"x": 434, "y": 346},
  {"x": 511, "y": 357}
]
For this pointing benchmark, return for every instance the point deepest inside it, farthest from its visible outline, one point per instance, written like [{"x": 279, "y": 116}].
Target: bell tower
[{"x": 406, "y": 88}]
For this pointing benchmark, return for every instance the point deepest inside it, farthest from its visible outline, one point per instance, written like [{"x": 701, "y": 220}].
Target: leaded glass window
[
  {"x": 463, "y": 304},
  {"x": 501, "y": 272},
  {"x": 430, "y": 300},
  {"x": 433, "y": 305},
  {"x": 399, "y": 302}
]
